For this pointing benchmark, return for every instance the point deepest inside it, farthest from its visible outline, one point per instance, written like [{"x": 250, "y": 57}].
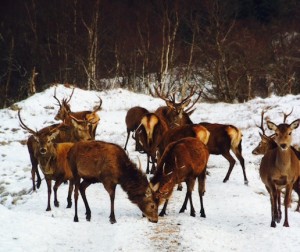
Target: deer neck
[{"x": 283, "y": 158}]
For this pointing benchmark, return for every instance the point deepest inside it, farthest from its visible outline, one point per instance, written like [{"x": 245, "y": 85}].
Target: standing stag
[
  {"x": 268, "y": 143},
  {"x": 65, "y": 112},
  {"x": 154, "y": 125},
  {"x": 182, "y": 161},
  {"x": 107, "y": 163},
  {"x": 279, "y": 169},
  {"x": 133, "y": 121},
  {"x": 45, "y": 148},
  {"x": 77, "y": 131}
]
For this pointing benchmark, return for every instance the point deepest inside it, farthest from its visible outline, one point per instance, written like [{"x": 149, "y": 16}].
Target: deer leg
[
  {"x": 35, "y": 171},
  {"x": 273, "y": 199},
  {"x": 231, "y": 161},
  {"x": 83, "y": 185},
  {"x": 77, "y": 184},
  {"x": 111, "y": 189},
  {"x": 238, "y": 154},
  {"x": 153, "y": 168},
  {"x": 288, "y": 192},
  {"x": 278, "y": 217},
  {"x": 183, "y": 208},
  {"x": 69, "y": 199},
  {"x": 148, "y": 164},
  {"x": 179, "y": 187},
  {"x": 55, "y": 187},
  {"x": 49, "y": 194},
  {"x": 128, "y": 134},
  {"x": 163, "y": 210},
  {"x": 192, "y": 213},
  {"x": 201, "y": 190}
]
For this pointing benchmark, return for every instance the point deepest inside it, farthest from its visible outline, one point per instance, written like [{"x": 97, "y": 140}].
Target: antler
[
  {"x": 188, "y": 110},
  {"x": 285, "y": 116},
  {"x": 99, "y": 106},
  {"x": 24, "y": 126},
  {"x": 54, "y": 96},
  {"x": 262, "y": 120},
  {"x": 70, "y": 95}
]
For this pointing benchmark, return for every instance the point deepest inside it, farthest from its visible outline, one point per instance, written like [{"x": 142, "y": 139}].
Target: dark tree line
[{"x": 233, "y": 50}]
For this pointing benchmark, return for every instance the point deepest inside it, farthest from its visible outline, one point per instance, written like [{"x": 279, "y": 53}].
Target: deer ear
[
  {"x": 170, "y": 104},
  {"x": 54, "y": 134},
  {"x": 271, "y": 125},
  {"x": 155, "y": 187},
  {"x": 295, "y": 124}
]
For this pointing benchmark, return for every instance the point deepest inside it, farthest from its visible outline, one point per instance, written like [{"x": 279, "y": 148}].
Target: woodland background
[{"x": 233, "y": 50}]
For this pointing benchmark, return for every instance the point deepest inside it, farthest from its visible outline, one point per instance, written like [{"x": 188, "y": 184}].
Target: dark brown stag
[
  {"x": 65, "y": 112},
  {"x": 133, "y": 121},
  {"x": 183, "y": 161},
  {"x": 268, "y": 143},
  {"x": 107, "y": 163},
  {"x": 77, "y": 131},
  {"x": 52, "y": 157},
  {"x": 222, "y": 139},
  {"x": 279, "y": 169}
]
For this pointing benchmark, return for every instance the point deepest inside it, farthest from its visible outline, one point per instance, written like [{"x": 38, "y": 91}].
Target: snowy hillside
[{"x": 238, "y": 216}]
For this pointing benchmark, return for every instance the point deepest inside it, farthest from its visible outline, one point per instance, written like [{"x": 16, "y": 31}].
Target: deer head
[{"x": 64, "y": 107}]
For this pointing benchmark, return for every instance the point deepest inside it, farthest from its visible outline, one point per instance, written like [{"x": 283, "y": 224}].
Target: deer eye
[{"x": 290, "y": 133}]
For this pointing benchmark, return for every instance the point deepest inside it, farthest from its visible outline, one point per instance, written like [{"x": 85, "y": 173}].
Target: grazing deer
[
  {"x": 182, "y": 161},
  {"x": 222, "y": 139},
  {"x": 107, "y": 163},
  {"x": 52, "y": 157},
  {"x": 148, "y": 135},
  {"x": 133, "y": 120},
  {"x": 268, "y": 143},
  {"x": 279, "y": 169},
  {"x": 64, "y": 113},
  {"x": 77, "y": 131}
]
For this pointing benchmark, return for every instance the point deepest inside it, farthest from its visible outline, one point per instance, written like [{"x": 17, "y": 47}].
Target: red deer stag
[
  {"x": 107, "y": 163},
  {"x": 268, "y": 143},
  {"x": 176, "y": 113},
  {"x": 64, "y": 113},
  {"x": 133, "y": 120},
  {"x": 78, "y": 131},
  {"x": 222, "y": 139},
  {"x": 279, "y": 169},
  {"x": 182, "y": 161},
  {"x": 149, "y": 135},
  {"x": 52, "y": 158}
]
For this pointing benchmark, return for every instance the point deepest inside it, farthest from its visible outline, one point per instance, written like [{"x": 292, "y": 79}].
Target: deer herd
[{"x": 177, "y": 151}]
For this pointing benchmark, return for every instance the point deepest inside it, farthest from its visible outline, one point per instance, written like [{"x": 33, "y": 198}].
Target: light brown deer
[
  {"x": 268, "y": 143},
  {"x": 108, "y": 163},
  {"x": 133, "y": 121},
  {"x": 52, "y": 156},
  {"x": 64, "y": 113},
  {"x": 75, "y": 132},
  {"x": 279, "y": 169}
]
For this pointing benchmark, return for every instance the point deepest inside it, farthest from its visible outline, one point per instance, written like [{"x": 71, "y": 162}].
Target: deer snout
[{"x": 43, "y": 151}]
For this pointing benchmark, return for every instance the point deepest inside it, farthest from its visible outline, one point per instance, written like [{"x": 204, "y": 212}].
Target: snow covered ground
[{"x": 238, "y": 216}]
